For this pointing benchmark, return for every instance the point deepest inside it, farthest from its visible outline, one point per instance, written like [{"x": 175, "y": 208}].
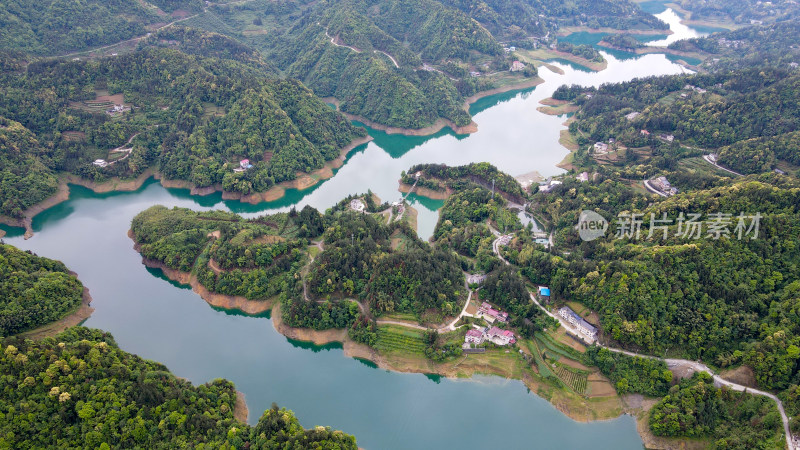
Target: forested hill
[
  {"x": 740, "y": 11},
  {"x": 34, "y": 291},
  {"x": 340, "y": 49},
  {"x": 47, "y": 27},
  {"x": 727, "y": 301},
  {"x": 772, "y": 45},
  {"x": 190, "y": 117},
  {"x": 748, "y": 117},
  {"x": 80, "y": 390},
  {"x": 24, "y": 179},
  {"x": 744, "y": 105},
  {"x": 511, "y": 20},
  {"x": 408, "y": 63},
  {"x": 397, "y": 63}
]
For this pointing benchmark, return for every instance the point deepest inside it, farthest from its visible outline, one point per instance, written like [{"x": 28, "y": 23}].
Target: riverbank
[
  {"x": 543, "y": 54},
  {"x": 61, "y": 195},
  {"x": 663, "y": 50},
  {"x": 688, "y": 20},
  {"x": 639, "y": 407},
  {"x": 426, "y": 192},
  {"x": 553, "y": 107},
  {"x": 302, "y": 182},
  {"x": 76, "y": 317},
  {"x": 440, "y": 123},
  {"x": 240, "y": 410},
  {"x": 566, "y": 31}
]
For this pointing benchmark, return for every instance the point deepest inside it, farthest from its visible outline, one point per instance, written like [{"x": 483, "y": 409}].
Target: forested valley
[
  {"x": 191, "y": 118},
  {"x": 743, "y": 108}
]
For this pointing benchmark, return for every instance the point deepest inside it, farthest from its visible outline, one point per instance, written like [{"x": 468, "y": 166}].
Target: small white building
[
  {"x": 600, "y": 147},
  {"x": 516, "y": 66},
  {"x": 476, "y": 278},
  {"x": 583, "y": 177},
  {"x": 663, "y": 185},
  {"x": 100, "y": 163},
  {"x": 357, "y": 205},
  {"x": 549, "y": 186}
]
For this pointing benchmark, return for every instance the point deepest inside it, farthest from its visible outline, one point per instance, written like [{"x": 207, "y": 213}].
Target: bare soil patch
[
  {"x": 240, "y": 411},
  {"x": 743, "y": 375}
]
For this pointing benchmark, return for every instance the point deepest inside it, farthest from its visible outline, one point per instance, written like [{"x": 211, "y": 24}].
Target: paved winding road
[
  {"x": 707, "y": 159},
  {"x": 671, "y": 363},
  {"x": 388, "y": 55}
]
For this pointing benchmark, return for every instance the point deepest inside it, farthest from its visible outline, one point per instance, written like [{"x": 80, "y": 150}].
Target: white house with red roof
[
  {"x": 490, "y": 314},
  {"x": 501, "y": 337},
  {"x": 474, "y": 337}
]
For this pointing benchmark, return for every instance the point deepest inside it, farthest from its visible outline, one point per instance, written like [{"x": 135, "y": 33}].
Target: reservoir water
[{"x": 160, "y": 320}]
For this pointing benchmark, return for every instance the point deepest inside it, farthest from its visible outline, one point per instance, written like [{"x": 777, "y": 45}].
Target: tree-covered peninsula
[
  {"x": 350, "y": 270},
  {"x": 34, "y": 291},
  {"x": 80, "y": 389}
]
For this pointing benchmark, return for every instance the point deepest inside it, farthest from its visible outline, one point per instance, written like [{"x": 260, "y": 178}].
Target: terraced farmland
[
  {"x": 574, "y": 378},
  {"x": 392, "y": 338},
  {"x": 546, "y": 342}
]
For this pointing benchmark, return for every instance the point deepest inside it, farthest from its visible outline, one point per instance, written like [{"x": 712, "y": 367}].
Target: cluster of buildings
[
  {"x": 582, "y": 325},
  {"x": 117, "y": 109},
  {"x": 583, "y": 177},
  {"x": 491, "y": 315},
  {"x": 549, "y": 185},
  {"x": 689, "y": 87},
  {"x": 495, "y": 335},
  {"x": 661, "y": 184}
]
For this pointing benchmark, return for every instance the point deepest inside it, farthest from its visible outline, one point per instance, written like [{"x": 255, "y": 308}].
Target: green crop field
[
  {"x": 574, "y": 378},
  {"x": 546, "y": 341},
  {"x": 391, "y": 338}
]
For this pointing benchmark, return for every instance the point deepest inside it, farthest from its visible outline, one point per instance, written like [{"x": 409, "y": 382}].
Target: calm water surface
[{"x": 157, "y": 319}]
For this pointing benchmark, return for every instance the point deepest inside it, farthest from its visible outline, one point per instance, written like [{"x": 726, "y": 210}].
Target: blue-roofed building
[{"x": 544, "y": 293}]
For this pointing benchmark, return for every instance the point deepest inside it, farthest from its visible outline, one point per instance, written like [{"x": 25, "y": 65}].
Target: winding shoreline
[
  {"x": 604, "y": 408},
  {"x": 440, "y": 123},
  {"x": 302, "y": 182},
  {"x": 654, "y": 50}
]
